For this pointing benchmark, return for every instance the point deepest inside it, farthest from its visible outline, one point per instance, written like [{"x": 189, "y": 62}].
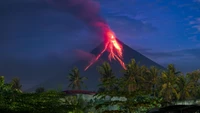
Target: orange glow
[
  {"x": 113, "y": 47},
  {"x": 92, "y": 62}
]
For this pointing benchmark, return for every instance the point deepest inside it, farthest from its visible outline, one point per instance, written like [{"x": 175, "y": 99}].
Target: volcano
[{"x": 61, "y": 81}]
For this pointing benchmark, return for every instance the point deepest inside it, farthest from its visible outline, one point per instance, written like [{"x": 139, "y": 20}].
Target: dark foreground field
[{"x": 138, "y": 90}]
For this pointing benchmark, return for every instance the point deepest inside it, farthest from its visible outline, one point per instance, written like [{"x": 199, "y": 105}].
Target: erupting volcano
[
  {"x": 110, "y": 49},
  {"x": 111, "y": 45},
  {"x": 88, "y": 12}
]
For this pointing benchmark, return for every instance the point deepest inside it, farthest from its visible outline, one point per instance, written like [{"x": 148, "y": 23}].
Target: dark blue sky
[{"x": 37, "y": 39}]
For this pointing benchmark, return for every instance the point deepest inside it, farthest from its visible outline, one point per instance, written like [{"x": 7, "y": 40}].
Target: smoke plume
[{"x": 86, "y": 10}]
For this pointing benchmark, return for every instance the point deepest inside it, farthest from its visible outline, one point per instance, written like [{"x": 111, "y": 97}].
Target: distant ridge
[{"x": 61, "y": 82}]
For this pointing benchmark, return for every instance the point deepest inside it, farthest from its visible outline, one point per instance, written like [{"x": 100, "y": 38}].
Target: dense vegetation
[{"x": 140, "y": 87}]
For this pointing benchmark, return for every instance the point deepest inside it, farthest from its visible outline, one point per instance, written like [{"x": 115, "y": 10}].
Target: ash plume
[{"x": 86, "y": 10}]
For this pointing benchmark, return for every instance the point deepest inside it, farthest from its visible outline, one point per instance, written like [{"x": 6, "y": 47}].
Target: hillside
[{"x": 61, "y": 82}]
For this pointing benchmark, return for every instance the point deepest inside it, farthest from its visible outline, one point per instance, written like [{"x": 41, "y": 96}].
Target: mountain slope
[{"x": 60, "y": 81}]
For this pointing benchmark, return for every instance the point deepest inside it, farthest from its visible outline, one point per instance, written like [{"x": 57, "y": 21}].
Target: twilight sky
[{"x": 38, "y": 40}]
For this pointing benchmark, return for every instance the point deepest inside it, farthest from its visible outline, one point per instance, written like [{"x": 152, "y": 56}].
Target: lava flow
[{"x": 113, "y": 47}]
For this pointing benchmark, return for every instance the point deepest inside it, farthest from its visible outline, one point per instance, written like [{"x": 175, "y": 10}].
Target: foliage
[
  {"x": 105, "y": 71},
  {"x": 152, "y": 78},
  {"x": 134, "y": 103},
  {"x": 185, "y": 87},
  {"x": 16, "y": 84},
  {"x": 168, "y": 86},
  {"x": 107, "y": 77},
  {"x": 76, "y": 104},
  {"x": 40, "y": 90},
  {"x": 75, "y": 79},
  {"x": 34, "y": 103},
  {"x": 138, "y": 89}
]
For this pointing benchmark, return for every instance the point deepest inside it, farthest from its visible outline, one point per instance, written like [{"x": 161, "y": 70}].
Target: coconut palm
[
  {"x": 172, "y": 68},
  {"x": 133, "y": 76},
  {"x": 185, "y": 85},
  {"x": 2, "y": 81},
  {"x": 153, "y": 74},
  {"x": 107, "y": 76},
  {"x": 168, "y": 85},
  {"x": 105, "y": 71},
  {"x": 194, "y": 77},
  {"x": 75, "y": 79},
  {"x": 144, "y": 79}
]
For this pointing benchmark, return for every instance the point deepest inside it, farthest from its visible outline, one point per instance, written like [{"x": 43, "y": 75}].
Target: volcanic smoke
[{"x": 88, "y": 12}]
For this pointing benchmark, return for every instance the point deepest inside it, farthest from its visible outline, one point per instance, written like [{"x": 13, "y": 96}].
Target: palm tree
[
  {"x": 75, "y": 79},
  {"x": 107, "y": 75},
  {"x": 153, "y": 74},
  {"x": 144, "y": 79},
  {"x": 168, "y": 85},
  {"x": 172, "y": 68},
  {"x": 16, "y": 84},
  {"x": 133, "y": 76},
  {"x": 2, "y": 81},
  {"x": 194, "y": 77},
  {"x": 185, "y": 85},
  {"x": 105, "y": 71}
]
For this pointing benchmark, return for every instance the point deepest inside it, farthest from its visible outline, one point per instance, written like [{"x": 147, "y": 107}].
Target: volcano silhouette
[{"x": 60, "y": 81}]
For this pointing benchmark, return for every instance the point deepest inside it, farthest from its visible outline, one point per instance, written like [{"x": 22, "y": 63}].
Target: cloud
[
  {"x": 185, "y": 65},
  {"x": 33, "y": 71},
  {"x": 36, "y": 41},
  {"x": 189, "y": 17},
  {"x": 39, "y": 14},
  {"x": 197, "y": 27},
  {"x": 197, "y": 1},
  {"x": 127, "y": 25},
  {"x": 179, "y": 58},
  {"x": 194, "y": 38},
  {"x": 159, "y": 55},
  {"x": 193, "y": 52},
  {"x": 33, "y": 28},
  {"x": 128, "y": 21},
  {"x": 184, "y": 5},
  {"x": 195, "y": 24}
]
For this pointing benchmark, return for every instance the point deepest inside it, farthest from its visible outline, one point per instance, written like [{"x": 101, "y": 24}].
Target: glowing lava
[{"x": 113, "y": 47}]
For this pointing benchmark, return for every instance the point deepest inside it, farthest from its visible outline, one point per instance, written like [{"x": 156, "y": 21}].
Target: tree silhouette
[
  {"x": 195, "y": 77},
  {"x": 168, "y": 85},
  {"x": 75, "y": 79},
  {"x": 172, "y": 68},
  {"x": 40, "y": 90},
  {"x": 153, "y": 74},
  {"x": 16, "y": 84},
  {"x": 185, "y": 85},
  {"x": 107, "y": 77},
  {"x": 133, "y": 76}
]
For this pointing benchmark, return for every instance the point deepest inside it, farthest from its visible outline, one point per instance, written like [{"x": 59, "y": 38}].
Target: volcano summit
[{"x": 92, "y": 73}]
